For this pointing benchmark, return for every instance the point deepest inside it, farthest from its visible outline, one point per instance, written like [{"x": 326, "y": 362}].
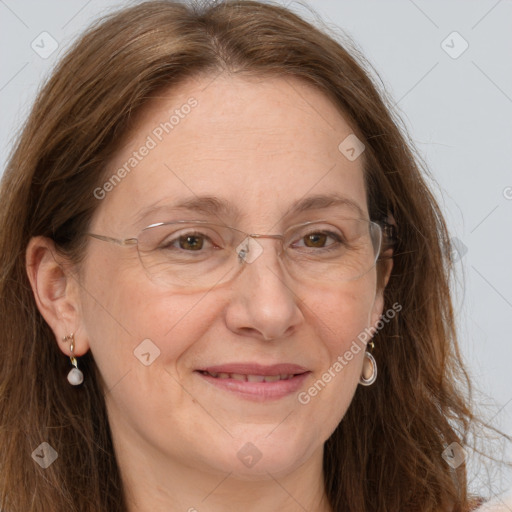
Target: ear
[
  {"x": 384, "y": 268},
  {"x": 56, "y": 292}
]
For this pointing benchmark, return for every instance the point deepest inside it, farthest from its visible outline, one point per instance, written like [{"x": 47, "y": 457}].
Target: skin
[{"x": 260, "y": 145}]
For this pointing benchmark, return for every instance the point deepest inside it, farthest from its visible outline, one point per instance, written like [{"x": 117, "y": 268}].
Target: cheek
[
  {"x": 133, "y": 325},
  {"x": 341, "y": 315},
  {"x": 342, "y": 320}
]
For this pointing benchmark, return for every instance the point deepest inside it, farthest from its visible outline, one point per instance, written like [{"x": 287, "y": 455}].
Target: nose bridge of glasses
[
  {"x": 272, "y": 237},
  {"x": 248, "y": 250},
  {"x": 276, "y": 237}
]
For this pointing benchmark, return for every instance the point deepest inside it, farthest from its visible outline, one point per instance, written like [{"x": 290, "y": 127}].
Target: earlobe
[{"x": 55, "y": 290}]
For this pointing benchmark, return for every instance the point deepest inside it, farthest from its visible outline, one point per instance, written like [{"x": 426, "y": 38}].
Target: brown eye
[
  {"x": 315, "y": 240},
  {"x": 326, "y": 240},
  {"x": 186, "y": 242},
  {"x": 191, "y": 242}
]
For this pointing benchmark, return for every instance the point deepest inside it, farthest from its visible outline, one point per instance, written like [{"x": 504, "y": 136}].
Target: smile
[
  {"x": 250, "y": 378},
  {"x": 256, "y": 384}
]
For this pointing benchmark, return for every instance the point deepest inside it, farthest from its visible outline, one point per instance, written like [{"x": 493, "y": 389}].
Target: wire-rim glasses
[{"x": 198, "y": 254}]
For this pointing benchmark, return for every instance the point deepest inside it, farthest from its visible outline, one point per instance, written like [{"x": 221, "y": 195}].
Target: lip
[
  {"x": 255, "y": 369},
  {"x": 257, "y": 391}
]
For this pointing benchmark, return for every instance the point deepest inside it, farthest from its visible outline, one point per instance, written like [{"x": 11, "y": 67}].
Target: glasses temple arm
[{"x": 127, "y": 241}]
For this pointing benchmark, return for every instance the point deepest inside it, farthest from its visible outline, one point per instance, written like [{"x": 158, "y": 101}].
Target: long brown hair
[{"x": 386, "y": 454}]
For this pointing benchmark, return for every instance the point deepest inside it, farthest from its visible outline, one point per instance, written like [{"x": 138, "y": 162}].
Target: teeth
[
  {"x": 272, "y": 378},
  {"x": 250, "y": 378},
  {"x": 255, "y": 378}
]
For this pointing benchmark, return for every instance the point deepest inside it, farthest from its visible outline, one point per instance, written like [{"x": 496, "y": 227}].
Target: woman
[{"x": 224, "y": 281}]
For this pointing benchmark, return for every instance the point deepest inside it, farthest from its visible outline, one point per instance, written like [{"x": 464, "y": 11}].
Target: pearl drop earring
[{"x": 75, "y": 376}]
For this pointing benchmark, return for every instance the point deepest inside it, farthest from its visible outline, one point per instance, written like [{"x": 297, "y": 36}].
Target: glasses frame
[{"x": 134, "y": 241}]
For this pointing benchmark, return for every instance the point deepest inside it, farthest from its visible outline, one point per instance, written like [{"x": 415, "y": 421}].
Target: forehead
[{"x": 258, "y": 144}]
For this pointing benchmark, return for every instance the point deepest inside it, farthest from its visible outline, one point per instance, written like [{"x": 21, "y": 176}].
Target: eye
[
  {"x": 190, "y": 242},
  {"x": 320, "y": 239}
]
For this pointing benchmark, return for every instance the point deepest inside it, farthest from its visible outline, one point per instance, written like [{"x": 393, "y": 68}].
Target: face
[{"x": 258, "y": 146}]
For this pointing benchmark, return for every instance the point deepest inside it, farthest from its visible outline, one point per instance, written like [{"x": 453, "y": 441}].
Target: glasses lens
[
  {"x": 199, "y": 255},
  {"x": 188, "y": 254},
  {"x": 332, "y": 251}
]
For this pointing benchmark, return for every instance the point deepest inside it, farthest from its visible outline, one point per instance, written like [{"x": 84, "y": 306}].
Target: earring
[
  {"x": 75, "y": 376},
  {"x": 369, "y": 374}
]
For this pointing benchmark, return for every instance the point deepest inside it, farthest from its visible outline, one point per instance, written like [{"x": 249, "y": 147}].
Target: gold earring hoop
[
  {"x": 75, "y": 376},
  {"x": 369, "y": 373}
]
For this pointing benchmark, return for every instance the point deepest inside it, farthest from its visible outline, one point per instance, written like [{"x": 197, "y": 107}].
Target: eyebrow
[{"x": 211, "y": 205}]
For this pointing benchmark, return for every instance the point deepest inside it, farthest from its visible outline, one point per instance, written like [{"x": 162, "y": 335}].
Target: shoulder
[
  {"x": 476, "y": 504},
  {"x": 499, "y": 504}
]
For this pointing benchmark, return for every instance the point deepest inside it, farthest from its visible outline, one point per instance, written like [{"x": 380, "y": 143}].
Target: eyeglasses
[{"x": 197, "y": 254}]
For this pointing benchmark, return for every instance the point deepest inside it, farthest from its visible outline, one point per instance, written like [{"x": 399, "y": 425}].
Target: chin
[{"x": 264, "y": 457}]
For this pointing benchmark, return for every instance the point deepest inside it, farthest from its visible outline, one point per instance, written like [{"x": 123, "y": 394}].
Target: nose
[{"x": 263, "y": 303}]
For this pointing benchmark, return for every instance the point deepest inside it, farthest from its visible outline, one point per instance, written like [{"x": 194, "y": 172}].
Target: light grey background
[{"x": 458, "y": 112}]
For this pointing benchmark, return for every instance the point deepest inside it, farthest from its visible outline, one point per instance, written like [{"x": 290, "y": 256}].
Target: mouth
[
  {"x": 256, "y": 382},
  {"x": 249, "y": 378}
]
